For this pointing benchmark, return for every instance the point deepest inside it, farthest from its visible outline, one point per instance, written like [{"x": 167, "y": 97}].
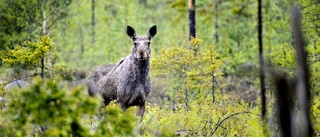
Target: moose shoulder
[{"x": 128, "y": 81}]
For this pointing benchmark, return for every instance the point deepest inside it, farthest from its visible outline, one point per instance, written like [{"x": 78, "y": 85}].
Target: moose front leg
[{"x": 140, "y": 112}]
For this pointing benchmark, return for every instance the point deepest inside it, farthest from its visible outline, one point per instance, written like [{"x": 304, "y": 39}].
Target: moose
[{"x": 127, "y": 81}]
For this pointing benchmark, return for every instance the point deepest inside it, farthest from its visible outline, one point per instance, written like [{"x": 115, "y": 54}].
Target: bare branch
[
  {"x": 2, "y": 85},
  {"x": 226, "y": 118}
]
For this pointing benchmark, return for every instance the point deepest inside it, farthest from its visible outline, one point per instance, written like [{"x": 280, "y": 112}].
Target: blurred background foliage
[{"x": 195, "y": 84}]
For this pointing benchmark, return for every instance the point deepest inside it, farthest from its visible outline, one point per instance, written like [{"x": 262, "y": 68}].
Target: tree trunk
[
  {"x": 192, "y": 34},
  {"x": 93, "y": 23},
  {"x": 217, "y": 22},
  {"x": 212, "y": 88},
  {"x": 261, "y": 60},
  {"x": 143, "y": 2},
  {"x": 192, "y": 19},
  {"x": 44, "y": 32},
  {"x": 217, "y": 41},
  {"x": 303, "y": 92},
  {"x": 81, "y": 44},
  {"x": 284, "y": 99},
  {"x": 186, "y": 89}
]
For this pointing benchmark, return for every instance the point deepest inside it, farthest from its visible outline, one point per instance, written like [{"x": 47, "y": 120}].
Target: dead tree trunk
[
  {"x": 216, "y": 26},
  {"x": 261, "y": 60},
  {"x": 192, "y": 19},
  {"x": 285, "y": 106},
  {"x": 192, "y": 34},
  {"x": 192, "y": 22},
  {"x": 303, "y": 92}
]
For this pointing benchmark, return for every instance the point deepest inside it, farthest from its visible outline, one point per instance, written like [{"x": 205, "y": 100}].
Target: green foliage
[
  {"x": 23, "y": 20},
  {"x": 279, "y": 42},
  {"x": 28, "y": 55},
  {"x": 115, "y": 122},
  {"x": 315, "y": 112},
  {"x": 74, "y": 35},
  {"x": 182, "y": 65},
  {"x": 204, "y": 119},
  {"x": 228, "y": 25},
  {"x": 47, "y": 106},
  {"x": 16, "y": 27},
  {"x": 284, "y": 55},
  {"x": 50, "y": 109},
  {"x": 65, "y": 72},
  {"x": 314, "y": 64}
]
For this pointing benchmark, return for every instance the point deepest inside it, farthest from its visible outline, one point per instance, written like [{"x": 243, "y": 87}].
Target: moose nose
[{"x": 143, "y": 56}]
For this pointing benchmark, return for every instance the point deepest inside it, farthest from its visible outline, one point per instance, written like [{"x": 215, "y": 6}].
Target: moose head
[{"x": 141, "y": 44}]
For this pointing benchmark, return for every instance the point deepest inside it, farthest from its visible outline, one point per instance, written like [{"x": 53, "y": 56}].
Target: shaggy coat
[{"x": 128, "y": 81}]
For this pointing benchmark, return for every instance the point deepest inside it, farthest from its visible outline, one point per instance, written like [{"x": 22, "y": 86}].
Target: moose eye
[
  {"x": 135, "y": 44},
  {"x": 148, "y": 43}
]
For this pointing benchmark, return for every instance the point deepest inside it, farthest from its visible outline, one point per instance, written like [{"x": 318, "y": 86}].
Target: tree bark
[
  {"x": 261, "y": 60},
  {"x": 216, "y": 25},
  {"x": 186, "y": 89},
  {"x": 192, "y": 19},
  {"x": 261, "y": 71},
  {"x": 44, "y": 32},
  {"x": 217, "y": 22},
  {"x": 212, "y": 88},
  {"x": 192, "y": 34},
  {"x": 285, "y": 106},
  {"x": 303, "y": 92},
  {"x": 93, "y": 23}
]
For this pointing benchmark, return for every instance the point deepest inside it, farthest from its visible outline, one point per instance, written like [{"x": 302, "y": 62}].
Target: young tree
[
  {"x": 28, "y": 56},
  {"x": 172, "y": 64}
]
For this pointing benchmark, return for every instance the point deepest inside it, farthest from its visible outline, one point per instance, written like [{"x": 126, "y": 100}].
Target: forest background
[{"x": 208, "y": 86}]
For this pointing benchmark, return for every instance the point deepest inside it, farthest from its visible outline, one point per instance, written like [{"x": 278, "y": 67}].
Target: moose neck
[{"x": 140, "y": 68}]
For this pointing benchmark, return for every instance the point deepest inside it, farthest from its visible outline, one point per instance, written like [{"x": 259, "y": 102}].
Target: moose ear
[
  {"x": 131, "y": 32},
  {"x": 152, "y": 31}
]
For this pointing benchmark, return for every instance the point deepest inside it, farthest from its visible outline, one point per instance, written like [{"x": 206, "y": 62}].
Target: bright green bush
[
  {"x": 191, "y": 68},
  {"x": 315, "y": 113},
  {"x": 225, "y": 117},
  {"x": 28, "y": 54},
  {"x": 47, "y": 108},
  {"x": 26, "y": 58}
]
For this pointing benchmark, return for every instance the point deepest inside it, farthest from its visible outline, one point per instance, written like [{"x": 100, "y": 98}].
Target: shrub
[
  {"x": 204, "y": 118},
  {"x": 47, "y": 108}
]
